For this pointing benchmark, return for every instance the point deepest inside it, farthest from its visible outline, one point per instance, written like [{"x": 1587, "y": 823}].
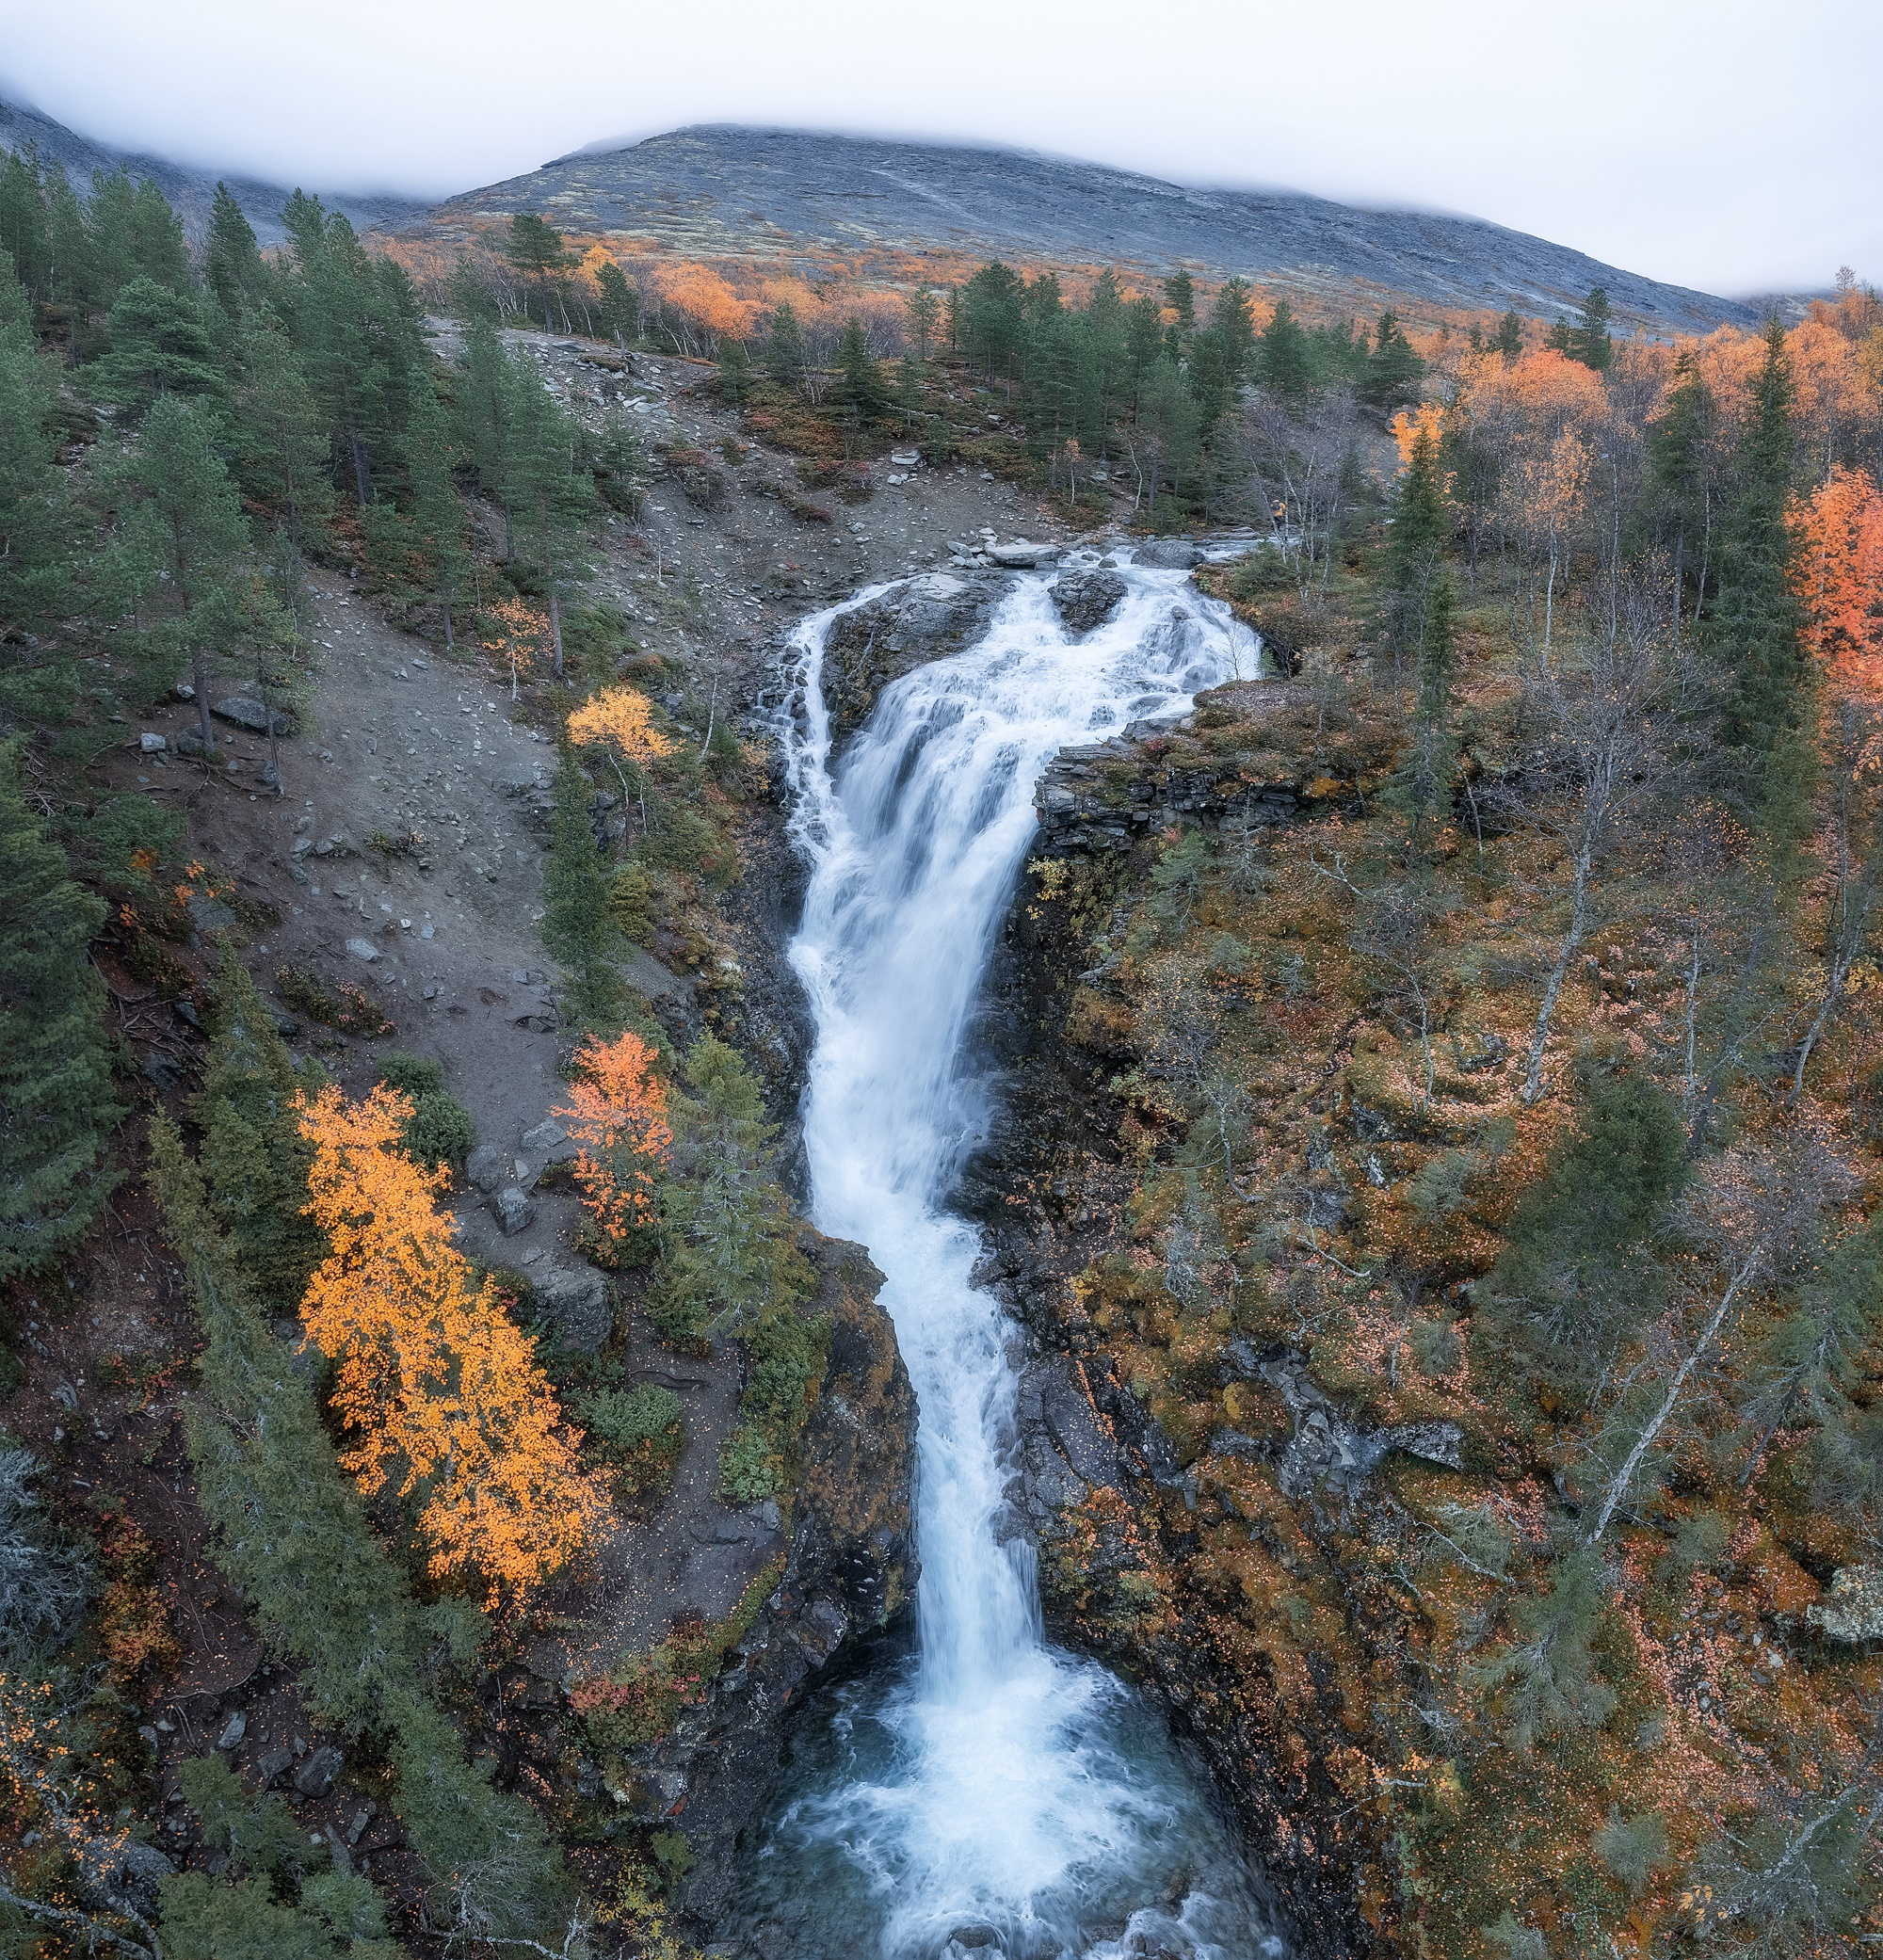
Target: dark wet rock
[
  {"x": 850, "y": 1570},
  {"x": 1330, "y": 1448},
  {"x": 128, "y": 1870},
  {"x": 576, "y": 1302},
  {"x": 486, "y": 1168},
  {"x": 915, "y": 621},
  {"x": 1086, "y": 599},
  {"x": 1169, "y": 554},
  {"x": 245, "y": 712},
  {"x": 272, "y": 1765},
  {"x": 1067, "y": 1447},
  {"x": 315, "y": 1777},
  {"x": 513, "y": 1210}
]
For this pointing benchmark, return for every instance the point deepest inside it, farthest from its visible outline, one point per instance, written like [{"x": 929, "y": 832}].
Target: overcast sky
[{"x": 1724, "y": 144}]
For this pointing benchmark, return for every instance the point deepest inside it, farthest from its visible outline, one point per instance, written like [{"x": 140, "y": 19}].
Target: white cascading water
[{"x": 995, "y": 1789}]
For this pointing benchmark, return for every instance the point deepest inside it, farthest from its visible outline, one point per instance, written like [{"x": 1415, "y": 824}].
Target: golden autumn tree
[
  {"x": 441, "y": 1394},
  {"x": 619, "y": 722},
  {"x": 1838, "y": 576},
  {"x": 518, "y": 632},
  {"x": 617, "y": 1115}
]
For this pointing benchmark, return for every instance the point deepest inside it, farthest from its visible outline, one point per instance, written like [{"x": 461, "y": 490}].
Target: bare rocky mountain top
[{"x": 770, "y": 194}]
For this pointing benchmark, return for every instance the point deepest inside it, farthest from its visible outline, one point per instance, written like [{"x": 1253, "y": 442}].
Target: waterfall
[{"x": 995, "y": 1789}]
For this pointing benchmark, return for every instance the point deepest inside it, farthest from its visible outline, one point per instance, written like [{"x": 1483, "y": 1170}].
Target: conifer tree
[
  {"x": 1509, "y": 341},
  {"x": 1233, "y": 317},
  {"x": 159, "y": 345},
  {"x": 535, "y": 248},
  {"x": 232, "y": 260},
  {"x": 36, "y": 517},
  {"x": 437, "y": 512},
  {"x": 861, "y": 387},
  {"x": 1283, "y": 359},
  {"x": 576, "y": 925},
  {"x": 254, "y": 1160},
  {"x": 1680, "y": 444},
  {"x": 1180, "y": 297},
  {"x": 488, "y": 414},
  {"x": 549, "y": 493},
  {"x": 1393, "y": 370},
  {"x": 282, "y": 451},
  {"x": 185, "y": 541},
  {"x": 621, "y": 311},
  {"x": 57, "y": 1108},
  {"x": 1144, "y": 344},
  {"x": 784, "y": 347},
  {"x": 1752, "y": 626}
]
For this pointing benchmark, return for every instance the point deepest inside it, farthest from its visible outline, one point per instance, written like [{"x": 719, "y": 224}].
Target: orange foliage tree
[
  {"x": 617, "y": 1115},
  {"x": 1838, "y": 574},
  {"x": 620, "y": 721},
  {"x": 437, "y": 1386},
  {"x": 517, "y": 632}
]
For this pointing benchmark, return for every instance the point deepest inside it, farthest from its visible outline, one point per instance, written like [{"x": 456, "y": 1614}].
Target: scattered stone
[
  {"x": 485, "y": 1165},
  {"x": 315, "y": 1777},
  {"x": 209, "y": 914},
  {"x": 513, "y": 1210},
  {"x": 184, "y": 691},
  {"x": 540, "y": 1141},
  {"x": 363, "y": 949},
  {"x": 151, "y": 744},
  {"x": 233, "y": 1730}
]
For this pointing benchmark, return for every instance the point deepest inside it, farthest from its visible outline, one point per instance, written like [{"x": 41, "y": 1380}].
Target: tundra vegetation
[{"x": 1531, "y": 1085}]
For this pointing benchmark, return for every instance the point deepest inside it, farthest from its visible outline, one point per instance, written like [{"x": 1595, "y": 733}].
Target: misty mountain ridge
[
  {"x": 726, "y": 192},
  {"x": 769, "y": 195},
  {"x": 191, "y": 190}
]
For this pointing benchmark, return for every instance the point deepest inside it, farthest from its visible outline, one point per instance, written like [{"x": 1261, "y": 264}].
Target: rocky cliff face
[
  {"x": 915, "y": 621},
  {"x": 850, "y": 1566}
]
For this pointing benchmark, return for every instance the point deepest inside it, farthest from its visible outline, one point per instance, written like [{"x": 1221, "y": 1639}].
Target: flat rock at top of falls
[{"x": 1169, "y": 554}]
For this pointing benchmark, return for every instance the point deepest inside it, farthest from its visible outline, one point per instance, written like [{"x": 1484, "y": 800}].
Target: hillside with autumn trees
[{"x": 1444, "y": 1076}]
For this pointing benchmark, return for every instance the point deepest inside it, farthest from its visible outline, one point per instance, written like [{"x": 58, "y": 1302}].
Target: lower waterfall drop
[{"x": 991, "y": 1792}]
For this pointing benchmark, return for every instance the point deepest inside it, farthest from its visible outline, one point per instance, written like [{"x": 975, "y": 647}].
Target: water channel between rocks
[{"x": 987, "y": 1793}]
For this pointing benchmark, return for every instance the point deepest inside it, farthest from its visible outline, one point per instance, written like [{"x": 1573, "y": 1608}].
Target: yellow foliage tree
[
  {"x": 438, "y": 1387},
  {"x": 619, "y": 722}
]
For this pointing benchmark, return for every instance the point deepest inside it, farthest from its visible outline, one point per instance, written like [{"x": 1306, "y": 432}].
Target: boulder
[
  {"x": 1020, "y": 555},
  {"x": 513, "y": 1210},
  {"x": 363, "y": 949},
  {"x": 273, "y": 1764},
  {"x": 233, "y": 1731},
  {"x": 315, "y": 1777},
  {"x": 543, "y": 1139},
  {"x": 1169, "y": 554},
  {"x": 1086, "y": 599},
  {"x": 151, "y": 744},
  {"x": 1853, "y": 1609},
  {"x": 128, "y": 1870},
  {"x": 575, "y": 1302},
  {"x": 485, "y": 1167},
  {"x": 245, "y": 712},
  {"x": 915, "y": 621}
]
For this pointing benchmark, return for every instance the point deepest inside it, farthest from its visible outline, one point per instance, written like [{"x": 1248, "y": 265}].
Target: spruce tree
[
  {"x": 550, "y": 495},
  {"x": 36, "y": 518},
  {"x": 621, "y": 310},
  {"x": 1590, "y": 343},
  {"x": 160, "y": 343},
  {"x": 437, "y": 513},
  {"x": 784, "y": 347},
  {"x": 859, "y": 386},
  {"x": 575, "y": 925},
  {"x": 1752, "y": 627},
  {"x": 1180, "y": 296},
  {"x": 1281, "y": 356},
  {"x": 1678, "y": 446},
  {"x": 1393, "y": 370},
  {"x": 1233, "y": 317},
  {"x": 57, "y": 1107},
  {"x": 282, "y": 449},
  {"x": 1509, "y": 341},
  {"x": 232, "y": 261}
]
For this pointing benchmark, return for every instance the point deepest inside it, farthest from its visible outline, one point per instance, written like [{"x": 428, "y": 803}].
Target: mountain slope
[
  {"x": 771, "y": 194},
  {"x": 190, "y": 190}
]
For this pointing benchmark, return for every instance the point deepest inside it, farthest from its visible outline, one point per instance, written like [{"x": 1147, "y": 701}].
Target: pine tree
[
  {"x": 1233, "y": 317},
  {"x": 535, "y": 248},
  {"x": 1180, "y": 297},
  {"x": 549, "y": 493},
  {"x": 487, "y": 415},
  {"x": 1509, "y": 341},
  {"x": 1281, "y": 357},
  {"x": 621, "y": 310},
  {"x": 159, "y": 345},
  {"x": 1144, "y": 344},
  {"x": 784, "y": 347},
  {"x": 1393, "y": 370},
  {"x": 57, "y": 1109},
  {"x": 860, "y": 387},
  {"x": 184, "y": 542},
  {"x": 254, "y": 1160},
  {"x": 437, "y": 512},
  {"x": 282, "y": 450},
  {"x": 575, "y": 923},
  {"x": 1752, "y": 627},
  {"x": 232, "y": 261},
  {"x": 37, "y": 520}
]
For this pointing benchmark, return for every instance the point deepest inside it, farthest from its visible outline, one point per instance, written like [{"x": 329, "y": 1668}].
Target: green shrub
[
  {"x": 749, "y": 1470},
  {"x": 1435, "y": 1346},
  {"x": 440, "y": 1130},
  {"x": 638, "y": 1432},
  {"x": 673, "y": 1855},
  {"x": 1632, "y": 1847},
  {"x": 631, "y": 903}
]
